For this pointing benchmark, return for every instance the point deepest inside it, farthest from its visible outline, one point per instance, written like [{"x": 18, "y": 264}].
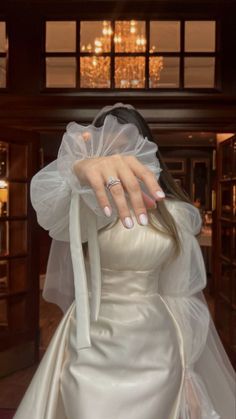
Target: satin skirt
[{"x": 134, "y": 368}]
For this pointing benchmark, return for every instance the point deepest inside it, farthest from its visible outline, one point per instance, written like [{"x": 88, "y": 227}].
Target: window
[
  {"x": 3, "y": 55},
  {"x": 130, "y": 54}
]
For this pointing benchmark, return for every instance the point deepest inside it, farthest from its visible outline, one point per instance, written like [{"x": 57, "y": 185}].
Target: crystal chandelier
[{"x": 129, "y": 70}]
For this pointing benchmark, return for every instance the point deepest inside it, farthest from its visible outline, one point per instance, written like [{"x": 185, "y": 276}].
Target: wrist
[{"x": 77, "y": 172}]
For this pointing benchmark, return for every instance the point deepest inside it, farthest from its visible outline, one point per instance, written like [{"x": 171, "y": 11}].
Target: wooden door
[
  {"x": 19, "y": 288},
  {"x": 225, "y": 303}
]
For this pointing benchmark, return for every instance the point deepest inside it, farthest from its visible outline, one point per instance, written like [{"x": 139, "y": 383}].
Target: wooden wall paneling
[
  {"x": 19, "y": 323},
  {"x": 225, "y": 286}
]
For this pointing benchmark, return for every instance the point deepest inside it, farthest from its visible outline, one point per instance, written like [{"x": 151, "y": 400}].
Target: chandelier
[{"x": 129, "y": 70}]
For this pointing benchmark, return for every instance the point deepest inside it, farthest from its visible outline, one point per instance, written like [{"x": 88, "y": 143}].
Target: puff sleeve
[
  {"x": 207, "y": 393},
  {"x": 72, "y": 215}
]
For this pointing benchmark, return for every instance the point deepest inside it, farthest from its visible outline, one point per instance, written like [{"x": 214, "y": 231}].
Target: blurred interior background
[{"x": 61, "y": 61}]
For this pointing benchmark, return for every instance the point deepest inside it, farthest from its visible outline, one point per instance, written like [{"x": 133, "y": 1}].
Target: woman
[{"x": 136, "y": 340}]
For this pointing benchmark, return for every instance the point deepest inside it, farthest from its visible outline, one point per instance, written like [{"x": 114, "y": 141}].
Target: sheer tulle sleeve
[
  {"x": 72, "y": 215},
  {"x": 209, "y": 382},
  {"x": 51, "y": 197}
]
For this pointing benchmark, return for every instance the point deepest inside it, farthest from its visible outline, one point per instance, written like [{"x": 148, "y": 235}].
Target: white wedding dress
[
  {"x": 136, "y": 340},
  {"x": 135, "y": 366}
]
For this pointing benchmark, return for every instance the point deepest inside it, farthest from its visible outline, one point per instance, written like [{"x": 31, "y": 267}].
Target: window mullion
[
  {"x": 147, "y": 54},
  {"x": 181, "y": 61},
  {"x": 78, "y": 53},
  {"x": 112, "y": 63}
]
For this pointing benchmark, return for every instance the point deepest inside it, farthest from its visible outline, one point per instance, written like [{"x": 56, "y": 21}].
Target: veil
[{"x": 71, "y": 214}]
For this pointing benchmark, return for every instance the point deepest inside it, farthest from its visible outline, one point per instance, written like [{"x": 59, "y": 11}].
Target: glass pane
[
  {"x": 227, "y": 159},
  {"x": 3, "y": 159},
  {"x": 4, "y": 238},
  {"x": 129, "y": 72},
  {"x": 95, "y": 72},
  {"x": 3, "y": 277},
  {"x": 60, "y": 36},
  {"x": 226, "y": 200},
  {"x": 200, "y": 36},
  {"x": 3, "y": 314},
  {"x": 18, "y": 199},
  {"x": 95, "y": 36},
  {"x": 164, "y": 36},
  {"x": 3, "y": 72},
  {"x": 164, "y": 72},
  {"x": 130, "y": 36},
  {"x": 60, "y": 72},
  {"x": 18, "y": 162},
  {"x": 225, "y": 236},
  {"x": 18, "y": 274},
  {"x": 3, "y": 38},
  {"x": 199, "y": 72},
  {"x": 17, "y": 237},
  {"x": 3, "y": 198}
]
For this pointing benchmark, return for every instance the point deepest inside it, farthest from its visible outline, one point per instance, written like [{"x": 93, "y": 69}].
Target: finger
[
  {"x": 118, "y": 195},
  {"x": 144, "y": 174},
  {"x": 119, "y": 198},
  {"x": 97, "y": 183},
  {"x": 131, "y": 185},
  {"x": 149, "y": 203}
]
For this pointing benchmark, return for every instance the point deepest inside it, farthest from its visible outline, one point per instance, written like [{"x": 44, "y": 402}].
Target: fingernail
[
  {"x": 143, "y": 219},
  {"x": 128, "y": 222},
  {"x": 107, "y": 211},
  {"x": 160, "y": 194}
]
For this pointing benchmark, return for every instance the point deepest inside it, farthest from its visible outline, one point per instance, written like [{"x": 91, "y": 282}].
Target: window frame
[
  {"x": 181, "y": 54},
  {"x": 5, "y": 55}
]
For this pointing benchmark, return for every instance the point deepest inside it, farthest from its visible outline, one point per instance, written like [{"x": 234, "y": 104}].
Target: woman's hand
[{"x": 96, "y": 171}]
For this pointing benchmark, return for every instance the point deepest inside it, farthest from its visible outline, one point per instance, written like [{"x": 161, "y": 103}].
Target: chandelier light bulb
[
  {"x": 98, "y": 43},
  {"x": 143, "y": 41}
]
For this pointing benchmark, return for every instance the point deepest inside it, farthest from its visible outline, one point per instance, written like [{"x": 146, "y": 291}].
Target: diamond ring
[{"x": 112, "y": 181}]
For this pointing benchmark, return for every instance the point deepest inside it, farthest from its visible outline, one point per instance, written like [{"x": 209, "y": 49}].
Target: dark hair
[
  {"x": 126, "y": 115},
  {"x": 161, "y": 215}
]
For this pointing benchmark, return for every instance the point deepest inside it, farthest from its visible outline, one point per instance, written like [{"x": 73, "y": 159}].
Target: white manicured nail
[
  {"x": 107, "y": 211},
  {"x": 128, "y": 222},
  {"x": 160, "y": 194},
  {"x": 143, "y": 219}
]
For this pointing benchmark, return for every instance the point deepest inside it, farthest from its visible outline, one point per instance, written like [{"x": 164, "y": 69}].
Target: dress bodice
[{"x": 139, "y": 248}]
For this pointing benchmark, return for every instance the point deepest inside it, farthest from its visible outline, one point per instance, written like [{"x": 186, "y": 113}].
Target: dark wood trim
[{"x": 212, "y": 113}]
